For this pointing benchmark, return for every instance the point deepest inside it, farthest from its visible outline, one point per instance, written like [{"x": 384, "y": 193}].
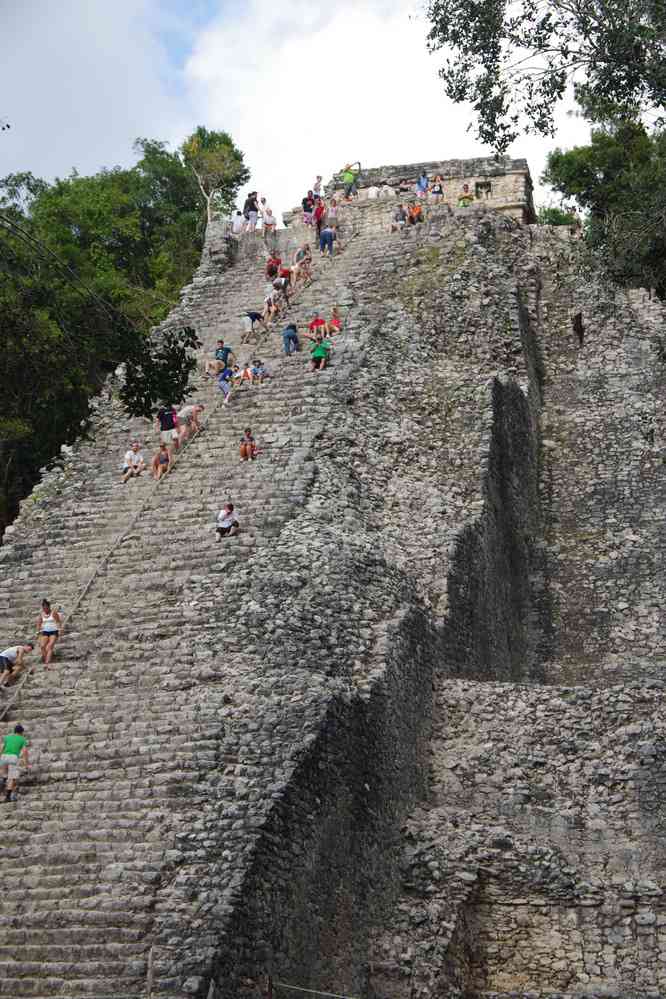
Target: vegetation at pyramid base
[{"x": 88, "y": 266}]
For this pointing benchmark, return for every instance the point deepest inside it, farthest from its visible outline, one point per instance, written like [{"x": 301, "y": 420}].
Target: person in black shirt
[
  {"x": 167, "y": 424},
  {"x": 251, "y": 211}
]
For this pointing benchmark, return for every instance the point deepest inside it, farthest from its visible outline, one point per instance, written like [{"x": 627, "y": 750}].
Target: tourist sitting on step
[
  {"x": 259, "y": 372},
  {"x": 12, "y": 661},
  {"x": 224, "y": 383},
  {"x": 326, "y": 241},
  {"x": 415, "y": 214},
  {"x": 466, "y": 197},
  {"x": 400, "y": 216},
  {"x": 227, "y": 524},
  {"x": 404, "y": 187},
  {"x": 334, "y": 324},
  {"x": 317, "y": 324},
  {"x": 223, "y": 356},
  {"x": 385, "y": 190},
  {"x": 248, "y": 447},
  {"x": 189, "y": 423},
  {"x": 14, "y": 752},
  {"x": 290, "y": 340},
  {"x": 159, "y": 466},
  {"x": 167, "y": 424},
  {"x": 249, "y": 319},
  {"x": 241, "y": 373},
  {"x": 319, "y": 352},
  {"x": 49, "y": 629},
  {"x": 133, "y": 463},
  {"x": 272, "y": 265}
]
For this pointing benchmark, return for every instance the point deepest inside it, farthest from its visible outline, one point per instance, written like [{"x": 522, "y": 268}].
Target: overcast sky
[{"x": 303, "y": 87}]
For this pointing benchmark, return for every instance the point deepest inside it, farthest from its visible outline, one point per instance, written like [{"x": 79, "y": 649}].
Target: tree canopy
[
  {"x": 88, "y": 266},
  {"x": 218, "y": 167},
  {"x": 619, "y": 179},
  {"x": 515, "y": 61}
]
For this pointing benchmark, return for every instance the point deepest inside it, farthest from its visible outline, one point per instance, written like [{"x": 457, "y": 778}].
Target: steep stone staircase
[{"x": 121, "y": 743}]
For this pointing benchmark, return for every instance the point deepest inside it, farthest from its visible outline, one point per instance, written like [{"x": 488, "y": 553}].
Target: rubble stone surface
[{"x": 404, "y": 735}]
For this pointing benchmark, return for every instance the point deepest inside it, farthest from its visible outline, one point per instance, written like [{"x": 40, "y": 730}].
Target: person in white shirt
[
  {"x": 188, "y": 420},
  {"x": 372, "y": 193},
  {"x": 227, "y": 525},
  {"x": 237, "y": 224},
  {"x": 386, "y": 191},
  {"x": 133, "y": 463},
  {"x": 11, "y": 660}
]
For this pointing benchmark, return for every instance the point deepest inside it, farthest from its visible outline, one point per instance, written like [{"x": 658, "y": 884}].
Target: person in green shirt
[
  {"x": 319, "y": 354},
  {"x": 14, "y": 750},
  {"x": 466, "y": 197},
  {"x": 349, "y": 177}
]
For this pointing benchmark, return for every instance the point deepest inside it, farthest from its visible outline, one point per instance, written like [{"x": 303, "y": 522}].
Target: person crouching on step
[{"x": 227, "y": 525}]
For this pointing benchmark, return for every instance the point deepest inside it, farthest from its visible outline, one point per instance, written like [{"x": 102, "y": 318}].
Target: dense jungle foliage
[{"x": 88, "y": 265}]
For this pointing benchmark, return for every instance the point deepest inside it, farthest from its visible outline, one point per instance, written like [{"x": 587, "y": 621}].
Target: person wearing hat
[{"x": 133, "y": 463}]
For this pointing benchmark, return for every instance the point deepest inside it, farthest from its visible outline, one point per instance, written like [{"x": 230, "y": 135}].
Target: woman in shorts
[
  {"x": 160, "y": 463},
  {"x": 334, "y": 325},
  {"x": 437, "y": 189},
  {"x": 49, "y": 626}
]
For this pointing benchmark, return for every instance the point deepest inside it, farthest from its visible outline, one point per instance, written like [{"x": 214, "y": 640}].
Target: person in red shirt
[
  {"x": 273, "y": 262},
  {"x": 319, "y": 214},
  {"x": 318, "y": 323}
]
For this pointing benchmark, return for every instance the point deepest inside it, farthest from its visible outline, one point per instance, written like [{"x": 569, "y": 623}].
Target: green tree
[
  {"x": 515, "y": 61},
  {"x": 88, "y": 266},
  {"x": 620, "y": 180},
  {"x": 218, "y": 167},
  {"x": 555, "y": 216}
]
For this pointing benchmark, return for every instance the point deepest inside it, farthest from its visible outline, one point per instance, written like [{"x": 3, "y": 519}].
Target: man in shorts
[
  {"x": 167, "y": 424},
  {"x": 11, "y": 661},
  {"x": 188, "y": 420},
  {"x": 249, "y": 319},
  {"x": 14, "y": 751},
  {"x": 133, "y": 463},
  {"x": 223, "y": 356}
]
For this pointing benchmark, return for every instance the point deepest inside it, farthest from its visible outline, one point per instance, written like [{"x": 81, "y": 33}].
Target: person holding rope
[
  {"x": 11, "y": 661},
  {"x": 14, "y": 752}
]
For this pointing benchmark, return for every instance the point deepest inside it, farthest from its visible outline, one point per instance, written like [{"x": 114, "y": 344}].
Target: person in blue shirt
[
  {"x": 422, "y": 185},
  {"x": 224, "y": 383},
  {"x": 222, "y": 358}
]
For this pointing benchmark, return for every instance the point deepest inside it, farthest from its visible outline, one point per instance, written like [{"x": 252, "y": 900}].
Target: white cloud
[
  {"x": 305, "y": 87},
  {"x": 80, "y": 81}
]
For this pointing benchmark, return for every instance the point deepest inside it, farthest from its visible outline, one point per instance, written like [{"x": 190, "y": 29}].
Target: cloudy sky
[{"x": 302, "y": 86}]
